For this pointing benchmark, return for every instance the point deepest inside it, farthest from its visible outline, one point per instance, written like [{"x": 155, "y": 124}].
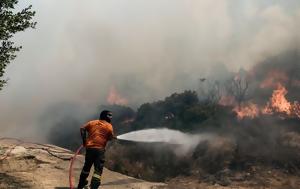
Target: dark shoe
[
  {"x": 82, "y": 185},
  {"x": 95, "y": 184}
]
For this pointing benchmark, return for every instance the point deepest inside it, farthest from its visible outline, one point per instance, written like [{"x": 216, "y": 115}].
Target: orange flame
[
  {"x": 115, "y": 98},
  {"x": 278, "y": 103},
  {"x": 249, "y": 110}
]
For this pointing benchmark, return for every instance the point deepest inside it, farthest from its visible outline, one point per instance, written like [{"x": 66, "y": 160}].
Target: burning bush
[{"x": 257, "y": 119}]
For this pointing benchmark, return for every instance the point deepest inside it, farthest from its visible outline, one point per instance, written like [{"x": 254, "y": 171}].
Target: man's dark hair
[{"x": 105, "y": 115}]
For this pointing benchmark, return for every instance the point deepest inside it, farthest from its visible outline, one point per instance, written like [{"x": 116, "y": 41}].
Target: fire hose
[{"x": 71, "y": 166}]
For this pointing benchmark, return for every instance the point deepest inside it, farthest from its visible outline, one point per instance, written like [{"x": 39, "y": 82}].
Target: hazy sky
[{"x": 145, "y": 49}]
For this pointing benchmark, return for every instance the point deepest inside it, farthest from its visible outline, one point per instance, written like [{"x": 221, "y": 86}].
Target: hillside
[{"x": 39, "y": 166}]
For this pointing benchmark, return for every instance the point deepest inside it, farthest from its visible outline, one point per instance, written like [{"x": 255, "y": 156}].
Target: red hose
[{"x": 71, "y": 166}]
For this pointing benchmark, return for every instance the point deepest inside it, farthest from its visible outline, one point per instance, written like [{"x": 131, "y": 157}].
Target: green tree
[{"x": 11, "y": 22}]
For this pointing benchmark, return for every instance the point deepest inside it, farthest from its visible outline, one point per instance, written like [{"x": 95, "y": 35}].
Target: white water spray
[{"x": 185, "y": 142}]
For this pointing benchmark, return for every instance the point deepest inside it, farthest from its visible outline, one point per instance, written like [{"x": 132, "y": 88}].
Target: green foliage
[
  {"x": 11, "y": 22},
  {"x": 181, "y": 111}
]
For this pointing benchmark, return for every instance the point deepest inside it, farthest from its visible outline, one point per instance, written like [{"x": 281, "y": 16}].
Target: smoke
[{"x": 145, "y": 49}]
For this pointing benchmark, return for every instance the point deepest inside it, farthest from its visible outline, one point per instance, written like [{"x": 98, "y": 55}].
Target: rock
[{"x": 18, "y": 151}]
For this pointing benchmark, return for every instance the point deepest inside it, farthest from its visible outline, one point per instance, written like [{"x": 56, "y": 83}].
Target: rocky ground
[{"x": 39, "y": 166}]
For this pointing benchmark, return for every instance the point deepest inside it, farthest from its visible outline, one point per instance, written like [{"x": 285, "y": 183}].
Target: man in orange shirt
[{"x": 95, "y": 135}]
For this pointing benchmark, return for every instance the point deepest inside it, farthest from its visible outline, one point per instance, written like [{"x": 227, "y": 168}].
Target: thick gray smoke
[{"x": 145, "y": 49}]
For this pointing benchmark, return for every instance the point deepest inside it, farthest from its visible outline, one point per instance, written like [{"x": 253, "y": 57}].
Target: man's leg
[
  {"x": 98, "y": 165},
  {"x": 89, "y": 160}
]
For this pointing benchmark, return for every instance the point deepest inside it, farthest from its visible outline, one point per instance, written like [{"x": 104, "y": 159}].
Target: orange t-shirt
[{"x": 99, "y": 132}]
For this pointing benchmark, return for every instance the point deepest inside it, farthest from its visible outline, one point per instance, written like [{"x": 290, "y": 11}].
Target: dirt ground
[{"x": 43, "y": 166}]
